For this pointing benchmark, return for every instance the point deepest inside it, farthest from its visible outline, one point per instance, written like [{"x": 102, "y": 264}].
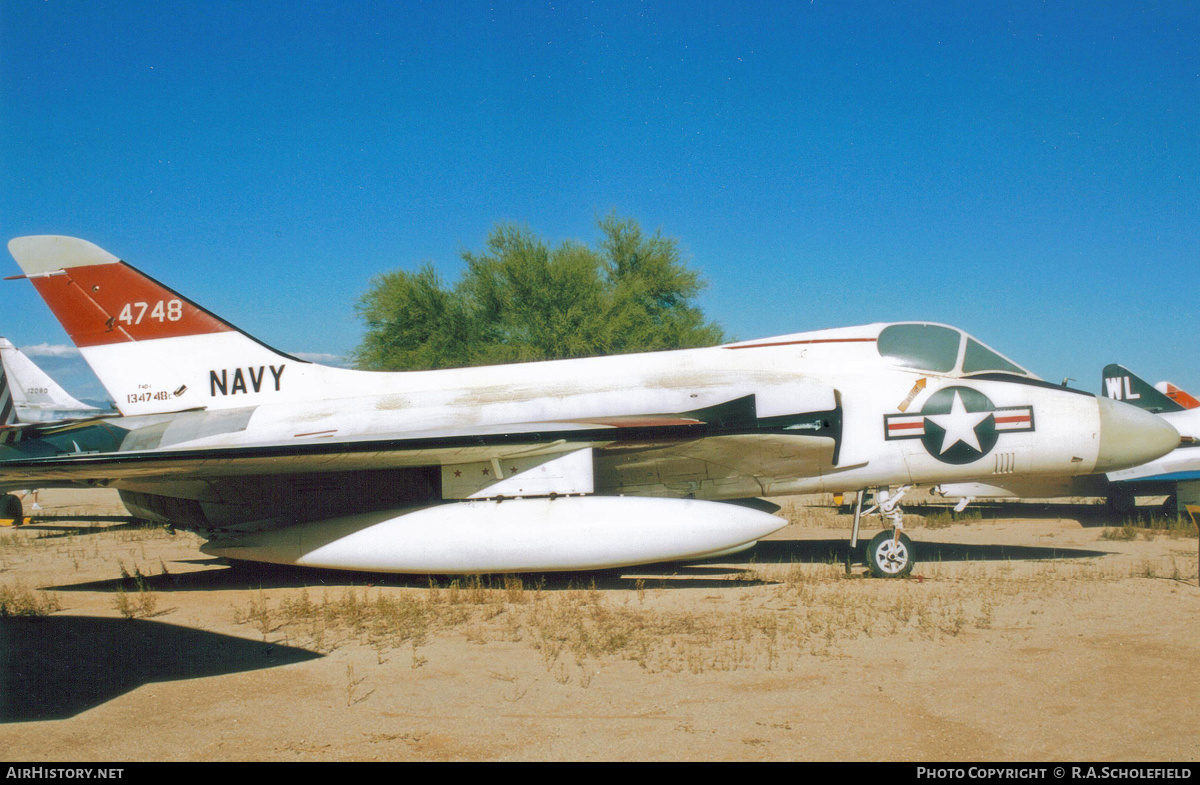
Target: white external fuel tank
[{"x": 512, "y": 535}]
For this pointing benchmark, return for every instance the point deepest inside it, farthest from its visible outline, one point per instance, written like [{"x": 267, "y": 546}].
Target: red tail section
[
  {"x": 101, "y": 300},
  {"x": 1179, "y": 396},
  {"x": 110, "y": 303}
]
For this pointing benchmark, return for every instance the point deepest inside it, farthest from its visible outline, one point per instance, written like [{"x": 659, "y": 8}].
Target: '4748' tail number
[{"x": 161, "y": 311}]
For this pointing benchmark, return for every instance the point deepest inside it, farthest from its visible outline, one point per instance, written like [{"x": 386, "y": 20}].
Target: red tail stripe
[{"x": 113, "y": 303}]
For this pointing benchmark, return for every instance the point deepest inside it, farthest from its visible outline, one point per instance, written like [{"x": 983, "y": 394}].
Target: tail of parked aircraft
[
  {"x": 152, "y": 348},
  {"x": 30, "y": 394},
  {"x": 1177, "y": 395},
  {"x": 1121, "y": 384},
  {"x": 8, "y": 411}
]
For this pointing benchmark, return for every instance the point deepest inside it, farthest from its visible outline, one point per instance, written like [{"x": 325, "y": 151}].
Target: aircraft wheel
[
  {"x": 889, "y": 556},
  {"x": 11, "y": 510}
]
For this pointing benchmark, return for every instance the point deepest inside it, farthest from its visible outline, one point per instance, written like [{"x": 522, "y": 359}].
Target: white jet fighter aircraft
[{"x": 562, "y": 465}]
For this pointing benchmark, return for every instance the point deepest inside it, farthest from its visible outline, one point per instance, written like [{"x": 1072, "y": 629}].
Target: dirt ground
[{"x": 1041, "y": 638}]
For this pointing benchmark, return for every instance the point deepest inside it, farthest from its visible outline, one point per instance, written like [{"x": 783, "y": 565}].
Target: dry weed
[
  {"x": 20, "y": 600},
  {"x": 134, "y": 599}
]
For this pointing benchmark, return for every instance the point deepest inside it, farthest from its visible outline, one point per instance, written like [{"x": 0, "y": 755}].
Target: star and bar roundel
[{"x": 958, "y": 424}]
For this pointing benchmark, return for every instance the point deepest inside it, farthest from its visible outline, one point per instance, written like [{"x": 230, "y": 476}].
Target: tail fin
[
  {"x": 152, "y": 349},
  {"x": 8, "y": 410},
  {"x": 1177, "y": 395},
  {"x": 35, "y": 396},
  {"x": 1123, "y": 385}
]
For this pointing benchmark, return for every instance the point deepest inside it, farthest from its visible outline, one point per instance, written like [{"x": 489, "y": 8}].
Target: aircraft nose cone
[{"x": 1130, "y": 436}]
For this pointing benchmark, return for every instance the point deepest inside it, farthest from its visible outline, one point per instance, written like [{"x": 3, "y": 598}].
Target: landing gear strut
[{"x": 890, "y": 554}]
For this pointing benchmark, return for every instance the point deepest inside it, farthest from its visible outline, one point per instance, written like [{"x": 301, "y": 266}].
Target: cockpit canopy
[{"x": 941, "y": 349}]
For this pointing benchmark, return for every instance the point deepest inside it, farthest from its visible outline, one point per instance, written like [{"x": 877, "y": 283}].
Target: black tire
[
  {"x": 889, "y": 556},
  {"x": 1120, "y": 504},
  {"x": 10, "y": 509}
]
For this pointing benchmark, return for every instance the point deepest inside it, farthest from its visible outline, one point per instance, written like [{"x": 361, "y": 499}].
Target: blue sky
[{"x": 1027, "y": 171}]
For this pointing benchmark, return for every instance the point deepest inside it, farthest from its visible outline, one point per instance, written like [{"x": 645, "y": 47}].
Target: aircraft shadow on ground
[
  {"x": 40, "y": 520},
  {"x": 59, "y": 666},
  {"x": 835, "y": 551},
  {"x": 48, "y": 529},
  {"x": 1088, "y": 515},
  {"x": 242, "y": 576}
]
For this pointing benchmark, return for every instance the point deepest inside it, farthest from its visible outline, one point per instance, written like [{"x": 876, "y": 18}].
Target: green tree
[{"x": 519, "y": 300}]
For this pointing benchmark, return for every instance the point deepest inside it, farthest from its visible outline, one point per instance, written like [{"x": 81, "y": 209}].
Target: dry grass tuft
[
  {"x": 134, "y": 599},
  {"x": 20, "y": 600},
  {"x": 1172, "y": 527}
]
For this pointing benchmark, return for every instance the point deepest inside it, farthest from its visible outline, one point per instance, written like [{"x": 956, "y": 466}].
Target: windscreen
[
  {"x": 980, "y": 358},
  {"x": 927, "y": 347}
]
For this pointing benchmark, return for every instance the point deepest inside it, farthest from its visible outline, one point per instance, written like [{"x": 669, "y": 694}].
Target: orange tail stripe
[{"x": 113, "y": 303}]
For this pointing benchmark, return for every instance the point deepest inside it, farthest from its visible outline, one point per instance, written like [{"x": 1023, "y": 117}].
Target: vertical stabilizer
[
  {"x": 152, "y": 349},
  {"x": 1181, "y": 397},
  {"x": 8, "y": 411},
  {"x": 35, "y": 396},
  {"x": 1120, "y": 384}
]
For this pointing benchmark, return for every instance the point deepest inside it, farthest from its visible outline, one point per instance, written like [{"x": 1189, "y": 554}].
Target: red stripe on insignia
[
  {"x": 903, "y": 426},
  {"x": 1013, "y": 418}
]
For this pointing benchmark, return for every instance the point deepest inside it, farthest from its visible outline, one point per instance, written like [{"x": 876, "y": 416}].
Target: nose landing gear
[{"x": 890, "y": 554}]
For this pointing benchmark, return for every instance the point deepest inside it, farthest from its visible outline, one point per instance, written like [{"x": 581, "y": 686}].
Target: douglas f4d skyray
[{"x": 562, "y": 465}]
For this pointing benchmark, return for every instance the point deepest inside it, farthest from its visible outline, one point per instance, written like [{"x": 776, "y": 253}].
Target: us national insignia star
[{"x": 958, "y": 424}]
